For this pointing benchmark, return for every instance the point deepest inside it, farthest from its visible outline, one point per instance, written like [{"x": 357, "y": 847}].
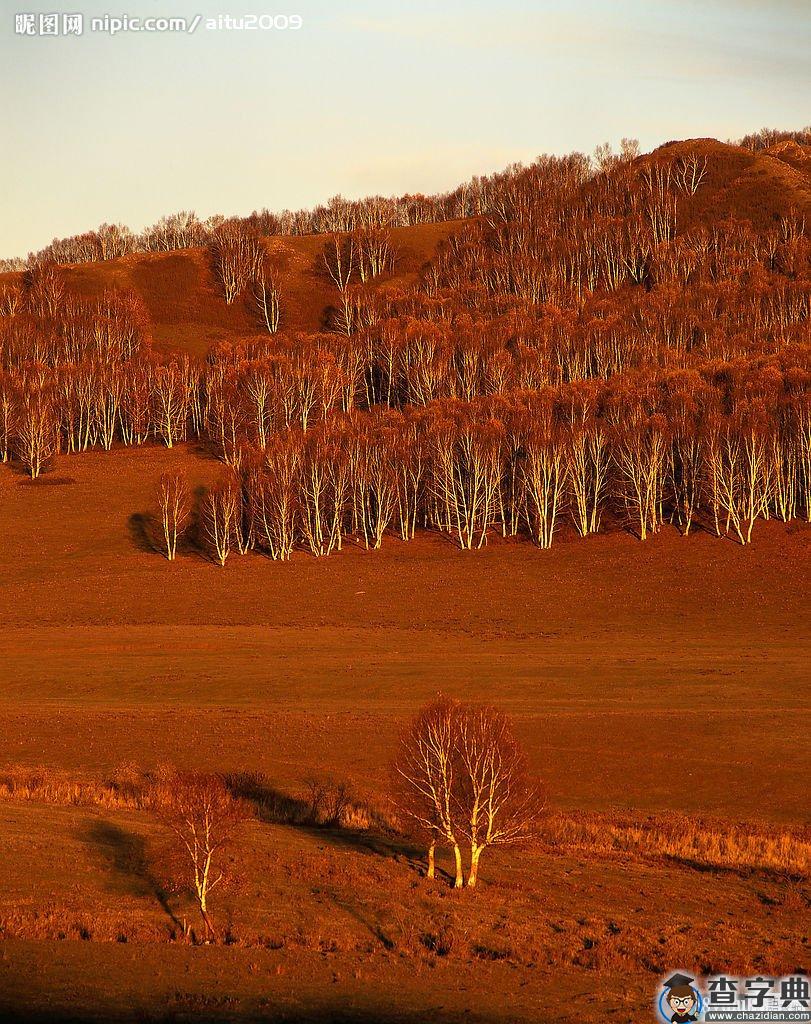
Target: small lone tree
[
  {"x": 174, "y": 508},
  {"x": 203, "y": 818}
]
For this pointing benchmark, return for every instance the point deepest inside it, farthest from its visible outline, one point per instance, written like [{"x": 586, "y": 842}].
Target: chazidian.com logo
[{"x": 682, "y": 998}]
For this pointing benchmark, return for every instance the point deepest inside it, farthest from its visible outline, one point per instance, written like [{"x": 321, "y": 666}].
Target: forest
[{"x": 585, "y": 352}]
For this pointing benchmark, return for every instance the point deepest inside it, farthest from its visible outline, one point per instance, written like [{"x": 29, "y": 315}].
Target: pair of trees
[
  {"x": 174, "y": 510},
  {"x": 221, "y": 516},
  {"x": 461, "y": 779},
  {"x": 243, "y": 267}
]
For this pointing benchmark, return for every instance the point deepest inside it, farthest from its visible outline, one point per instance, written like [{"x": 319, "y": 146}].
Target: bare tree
[
  {"x": 170, "y": 401},
  {"x": 498, "y": 802},
  {"x": 203, "y": 819},
  {"x": 237, "y": 257},
  {"x": 8, "y": 409},
  {"x": 340, "y": 259},
  {"x": 640, "y": 450},
  {"x": 267, "y": 296},
  {"x": 11, "y": 298},
  {"x": 174, "y": 507},
  {"x": 425, "y": 781},
  {"x": 37, "y": 436},
  {"x": 543, "y": 472},
  {"x": 461, "y": 775},
  {"x": 690, "y": 172},
  {"x": 273, "y": 492},
  {"x": 222, "y": 514},
  {"x": 46, "y": 289}
]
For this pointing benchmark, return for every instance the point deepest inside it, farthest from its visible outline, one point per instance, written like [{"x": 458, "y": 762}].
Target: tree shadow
[
  {"x": 126, "y": 856},
  {"x": 371, "y": 842},
  {"x": 276, "y": 807},
  {"x": 140, "y": 526},
  {"x": 202, "y": 449},
  {"x": 269, "y": 803},
  {"x": 46, "y": 481}
]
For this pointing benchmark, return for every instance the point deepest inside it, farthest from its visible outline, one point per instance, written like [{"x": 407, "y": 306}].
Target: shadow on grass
[
  {"x": 126, "y": 857},
  {"x": 145, "y": 535},
  {"x": 278, "y": 808},
  {"x": 46, "y": 481},
  {"x": 140, "y": 527}
]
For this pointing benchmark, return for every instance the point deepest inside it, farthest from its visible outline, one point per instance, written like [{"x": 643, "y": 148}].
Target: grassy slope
[
  {"x": 330, "y": 927},
  {"x": 740, "y": 183},
  {"x": 186, "y": 307},
  {"x": 607, "y": 651}
]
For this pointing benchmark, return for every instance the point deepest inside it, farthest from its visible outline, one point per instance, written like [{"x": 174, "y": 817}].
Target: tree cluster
[
  {"x": 461, "y": 779},
  {"x": 720, "y": 450}
]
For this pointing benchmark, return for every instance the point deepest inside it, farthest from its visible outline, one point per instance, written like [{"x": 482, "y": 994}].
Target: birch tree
[
  {"x": 174, "y": 508},
  {"x": 203, "y": 820},
  {"x": 425, "y": 779}
]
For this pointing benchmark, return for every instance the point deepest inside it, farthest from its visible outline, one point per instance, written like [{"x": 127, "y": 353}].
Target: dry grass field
[{"x": 646, "y": 680}]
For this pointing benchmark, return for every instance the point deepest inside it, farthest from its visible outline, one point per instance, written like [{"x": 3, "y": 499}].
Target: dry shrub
[
  {"x": 328, "y": 801},
  {"x": 440, "y": 941},
  {"x": 125, "y": 791},
  {"x": 314, "y": 937},
  {"x": 484, "y": 951},
  {"x": 57, "y": 923},
  {"x": 325, "y": 802}
]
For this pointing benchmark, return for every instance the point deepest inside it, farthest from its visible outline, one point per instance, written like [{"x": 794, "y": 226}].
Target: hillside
[
  {"x": 187, "y": 312},
  {"x": 758, "y": 187},
  {"x": 185, "y": 305}
]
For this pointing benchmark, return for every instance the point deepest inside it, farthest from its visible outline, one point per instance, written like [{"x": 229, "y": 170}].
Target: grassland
[{"x": 648, "y": 681}]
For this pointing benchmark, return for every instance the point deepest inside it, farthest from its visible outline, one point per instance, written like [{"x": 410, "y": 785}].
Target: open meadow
[{"x": 648, "y": 682}]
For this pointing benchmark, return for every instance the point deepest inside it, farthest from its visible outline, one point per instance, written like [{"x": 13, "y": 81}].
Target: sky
[{"x": 365, "y": 97}]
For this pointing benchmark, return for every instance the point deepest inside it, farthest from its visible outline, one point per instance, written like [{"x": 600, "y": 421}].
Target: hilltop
[{"x": 185, "y": 305}]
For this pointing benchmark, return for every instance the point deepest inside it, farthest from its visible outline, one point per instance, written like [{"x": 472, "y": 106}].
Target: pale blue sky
[{"x": 366, "y": 97}]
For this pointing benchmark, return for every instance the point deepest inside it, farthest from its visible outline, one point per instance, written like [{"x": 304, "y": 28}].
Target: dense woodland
[{"x": 587, "y": 351}]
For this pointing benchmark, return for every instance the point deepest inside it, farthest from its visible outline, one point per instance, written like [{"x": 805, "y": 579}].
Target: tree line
[
  {"x": 720, "y": 451},
  {"x": 481, "y": 196}
]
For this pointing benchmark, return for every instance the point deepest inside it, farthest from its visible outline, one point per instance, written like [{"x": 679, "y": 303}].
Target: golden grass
[
  {"x": 127, "y": 790},
  {"x": 695, "y": 842},
  {"x": 692, "y": 842}
]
